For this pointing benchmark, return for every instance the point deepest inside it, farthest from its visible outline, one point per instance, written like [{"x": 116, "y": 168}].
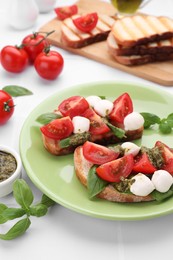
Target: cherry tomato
[
  {"x": 49, "y": 64},
  {"x": 14, "y": 59},
  {"x": 143, "y": 164},
  {"x": 97, "y": 126},
  {"x": 86, "y": 23},
  {"x": 122, "y": 107},
  {"x": 98, "y": 154},
  {"x": 34, "y": 44},
  {"x": 6, "y": 107},
  {"x": 58, "y": 129},
  {"x": 66, "y": 11},
  {"x": 73, "y": 106},
  {"x": 167, "y": 155},
  {"x": 114, "y": 170}
]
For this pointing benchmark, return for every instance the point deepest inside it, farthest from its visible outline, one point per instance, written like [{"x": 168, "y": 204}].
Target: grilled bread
[
  {"x": 142, "y": 29},
  {"x": 109, "y": 193},
  {"x": 74, "y": 38}
]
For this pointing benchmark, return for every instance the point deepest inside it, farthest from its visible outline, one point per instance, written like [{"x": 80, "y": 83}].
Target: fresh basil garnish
[
  {"x": 47, "y": 118},
  {"x": 16, "y": 91},
  {"x": 159, "y": 196}
]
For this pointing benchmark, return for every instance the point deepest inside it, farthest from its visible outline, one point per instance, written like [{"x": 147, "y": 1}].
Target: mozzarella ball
[
  {"x": 103, "y": 107},
  {"x": 130, "y": 148},
  {"x": 81, "y": 124},
  {"x": 142, "y": 186},
  {"x": 92, "y": 100},
  {"x": 133, "y": 121},
  {"x": 162, "y": 180}
]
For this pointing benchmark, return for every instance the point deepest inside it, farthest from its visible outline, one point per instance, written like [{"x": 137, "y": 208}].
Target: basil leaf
[
  {"x": 17, "y": 230},
  {"x": 16, "y": 91},
  {"x": 120, "y": 133},
  {"x": 170, "y": 116},
  {"x": 47, "y": 118},
  {"x": 75, "y": 140},
  {"x": 38, "y": 210},
  {"x": 64, "y": 142},
  {"x": 22, "y": 193},
  {"x": 47, "y": 201},
  {"x": 165, "y": 128},
  {"x": 150, "y": 119},
  {"x": 159, "y": 196},
  {"x": 11, "y": 213},
  {"x": 94, "y": 183},
  {"x": 2, "y": 207}
]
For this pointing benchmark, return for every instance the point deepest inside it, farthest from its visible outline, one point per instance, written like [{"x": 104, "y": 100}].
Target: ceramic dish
[
  {"x": 55, "y": 176},
  {"x": 6, "y": 186}
]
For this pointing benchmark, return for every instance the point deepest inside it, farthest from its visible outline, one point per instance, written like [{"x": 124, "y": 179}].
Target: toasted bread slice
[
  {"x": 164, "y": 47},
  {"x": 141, "y": 29},
  {"x": 74, "y": 38},
  {"x": 82, "y": 167}
]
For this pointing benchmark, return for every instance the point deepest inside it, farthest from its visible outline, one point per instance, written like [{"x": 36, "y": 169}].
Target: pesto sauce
[{"x": 8, "y": 165}]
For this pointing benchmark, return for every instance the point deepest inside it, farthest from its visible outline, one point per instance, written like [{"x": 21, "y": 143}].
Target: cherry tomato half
[
  {"x": 86, "y": 23},
  {"x": 6, "y": 107},
  {"x": 73, "y": 106},
  {"x": 114, "y": 170},
  {"x": 167, "y": 155},
  {"x": 122, "y": 107},
  {"x": 98, "y": 154},
  {"x": 66, "y": 11},
  {"x": 97, "y": 126},
  {"x": 34, "y": 44},
  {"x": 58, "y": 129},
  {"x": 49, "y": 65},
  {"x": 14, "y": 59},
  {"x": 143, "y": 164}
]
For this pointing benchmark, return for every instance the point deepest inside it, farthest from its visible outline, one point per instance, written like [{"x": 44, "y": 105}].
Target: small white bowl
[{"x": 6, "y": 186}]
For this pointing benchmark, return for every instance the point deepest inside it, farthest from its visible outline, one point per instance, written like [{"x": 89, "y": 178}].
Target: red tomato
[
  {"x": 66, "y": 11},
  {"x": 58, "y": 129},
  {"x": 97, "y": 126},
  {"x": 122, "y": 107},
  {"x": 86, "y": 23},
  {"x": 14, "y": 59},
  {"x": 49, "y": 64},
  {"x": 34, "y": 44},
  {"x": 143, "y": 164},
  {"x": 73, "y": 106},
  {"x": 6, "y": 107},
  {"x": 167, "y": 156},
  {"x": 98, "y": 154},
  {"x": 114, "y": 170}
]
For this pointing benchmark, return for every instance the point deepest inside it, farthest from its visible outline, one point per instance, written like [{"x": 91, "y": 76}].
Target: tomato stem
[
  {"x": 34, "y": 35},
  {"x": 7, "y": 108}
]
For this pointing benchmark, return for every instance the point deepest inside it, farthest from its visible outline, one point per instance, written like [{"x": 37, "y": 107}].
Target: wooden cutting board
[{"x": 160, "y": 72}]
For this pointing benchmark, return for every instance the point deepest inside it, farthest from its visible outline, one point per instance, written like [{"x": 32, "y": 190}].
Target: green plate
[{"x": 55, "y": 175}]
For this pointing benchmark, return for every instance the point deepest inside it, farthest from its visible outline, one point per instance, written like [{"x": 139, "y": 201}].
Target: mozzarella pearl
[
  {"x": 142, "y": 186},
  {"x": 130, "y": 148},
  {"x": 103, "y": 107},
  {"x": 162, "y": 180},
  {"x": 80, "y": 124},
  {"x": 92, "y": 100},
  {"x": 133, "y": 121}
]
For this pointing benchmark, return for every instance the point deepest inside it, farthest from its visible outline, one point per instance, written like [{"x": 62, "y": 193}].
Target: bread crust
[{"x": 109, "y": 193}]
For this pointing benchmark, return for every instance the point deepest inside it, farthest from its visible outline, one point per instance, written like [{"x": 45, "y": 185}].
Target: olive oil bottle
[{"x": 126, "y": 6}]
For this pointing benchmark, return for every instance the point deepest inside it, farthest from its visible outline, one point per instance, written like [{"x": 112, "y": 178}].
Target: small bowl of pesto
[{"x": 10, "y": 169}]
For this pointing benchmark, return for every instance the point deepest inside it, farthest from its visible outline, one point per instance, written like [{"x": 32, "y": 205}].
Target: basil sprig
[
  {"x": 47, "y": 118},
  {"x": 165, "y": 125},
  {"x": 24, "y": 197},
  {"x": 16, "y": 91}
]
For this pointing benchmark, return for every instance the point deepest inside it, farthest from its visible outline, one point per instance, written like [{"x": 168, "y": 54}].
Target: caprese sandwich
[
  {"x": 78, "y": 119},
  {"x": 126, "y": 172}
]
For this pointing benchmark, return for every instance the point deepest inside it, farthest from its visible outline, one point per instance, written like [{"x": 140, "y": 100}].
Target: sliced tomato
[
  {"x": 58, "y": 129},
  {"x": 113, "y": 171},
  {"x": 122, "y": 107},
  {"x": 97, "y": 126},
  {"x": 167, "y": 155},
  {"x": 143, "y": 164},
  {"x": 66, "y": 11},
  {"x": 86, "y": 23},
  {"x": 73, "y": 106},
  {"x": 98, "y": 154}
]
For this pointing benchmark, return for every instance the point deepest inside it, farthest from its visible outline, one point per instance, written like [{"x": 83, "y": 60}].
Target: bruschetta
[
  {"x": 125, "y": 173},
  {"x": 94, "y": 119}
]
